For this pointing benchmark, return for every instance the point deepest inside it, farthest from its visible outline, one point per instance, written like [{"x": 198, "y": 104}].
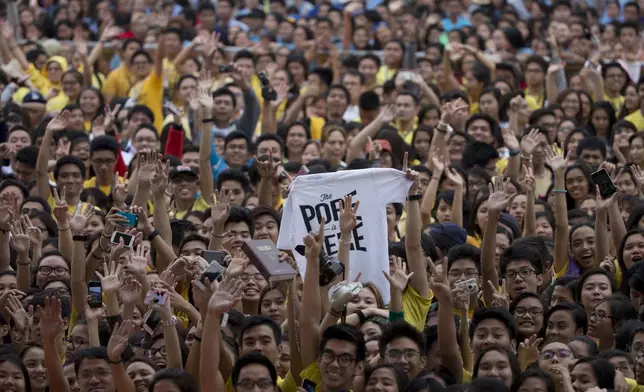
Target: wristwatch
[{"x": 170, "y": 323}]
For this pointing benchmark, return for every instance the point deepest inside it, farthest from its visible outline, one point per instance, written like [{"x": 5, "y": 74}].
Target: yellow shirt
[
  {"x": 40, "y": 79},
  {"x": 71, "y": 208},
  {"x": 57, "y": 103},
  {"x": 149, "y": 92},
  {"x": 616, "y": 102},
  {"x": 107, "y": 190},
  {"x": 119, "y": 82},
  {"x": 637, "y": 119},
  {"x": 384, "y": 74},
  {"x": 406, "y": 134},
  {"x": 415, "y": 307},
  {"x": 618, "y": 272},
  {"x": 534, "y": 101},
  {"x": 199, "y": 205},
  {"x": 316, "y": 125}
]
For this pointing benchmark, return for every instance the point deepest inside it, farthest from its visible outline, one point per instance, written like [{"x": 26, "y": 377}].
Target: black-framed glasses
[
  {"x": 524, "y": 273},
  {"x": 534, "y": 311},
  {"x": 76, "y": 341},
  {"x": 344, "y": 360},
  {"x": 151, "y": 352},
  {"x": 561, "y": 353},
  {"x": 597, "y": 317},
  {"x": 247, "y": 384},
  {"x": 45, "y": 270},
  {"x": 395, "y": 355}
]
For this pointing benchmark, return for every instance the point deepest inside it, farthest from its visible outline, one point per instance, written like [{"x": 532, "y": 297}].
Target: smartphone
[
  {"x": 606, "y": 186},
  {"x": 132, "y": 218},
  {"x": 156, "y": 297},
  {"x": 406, "y": 75},
  {"x": 309, "y": 385},
  {"x": 151, "y": 321},
  {"x": 95, "y": 294},
  {"x": 170, "y": 107},
  {"x": 128, "y": 240},
  {"x": 303, "y": 170},
  {"x": 214, "y": 255},
  {"x": 225, "y": 68},
  {"x": 214, "y": 271}
]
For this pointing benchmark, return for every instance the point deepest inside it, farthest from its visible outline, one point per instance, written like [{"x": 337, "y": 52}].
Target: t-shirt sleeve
[
  {"x": 391, "y": 185},
  {"x": 152, "y": 97},
  {"x": 415, "y": 307},
  {"x": 312, "y": 373}
]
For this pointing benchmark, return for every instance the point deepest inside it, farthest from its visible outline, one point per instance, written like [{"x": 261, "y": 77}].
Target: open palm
[{"x": 228, "y": 293}]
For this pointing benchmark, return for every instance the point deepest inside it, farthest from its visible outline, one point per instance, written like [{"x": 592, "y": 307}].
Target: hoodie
[{"x": 40, "y": 79}]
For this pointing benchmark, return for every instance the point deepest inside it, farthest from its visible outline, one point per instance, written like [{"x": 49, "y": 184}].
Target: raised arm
[
  {"x": 294, "y": 346},
  {"x": 397, "y": 284},
  {"x": 436, "y": 166},
  {"x": 310, "y": 90},
  {"x": 219, "y": 212},
  {"x": 78, "y": 278},
  {"x": 206, "y": 184},
  {"x": 51, "y": 327},
  {"x": 552, "y": 90},
  {"x": 311, "y": 302},
  {"x": 529, "y": 184},
  {"x": 268, "y": 173},
  {"x": 158, "y": 187},
  {"x": 356, "y": 147},
  {"x": 457, "y": 204},
  {"x": 20, "y": 244},
  {"x": 497, "y": 202},
  {"x": 119, "y": 341},
  {"x": 450, "y": 353},
  {"x": 602, "y": 247},
  {"x": 222, "y": 301},
  {"x": 58, "y": 124},
  {"x": 61, "y": 213},
  {"x": 168, "y": 321},
  {"x": 348, "y": 222},
  {"x": 558, "y": 165},
  {"x": 414, "y": 228}
]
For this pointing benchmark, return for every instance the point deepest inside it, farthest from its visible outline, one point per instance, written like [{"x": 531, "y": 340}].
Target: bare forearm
[
  {"x": 65, "y": 241},
  {"x": 265, "y": 193},
  {"x": 172, "y": 347},
  {"x": 617, "y": 225},
  {"x": 488, "y": 254},
  {"x": 601, "y": 237},
  {"x": 23, "y": 275},
  {"x": 162, "y": 219},
  {"x": 561, "y": 229},
  {"x": 447, "y": 345},
  {"x": 92, "y": 327},
  {"x": 414, "y": 251},
  {"x": 529, "y": 218},
  {"x": 310, "y": 311},
  {"x": 54, "y": 367},
  {"x": 457, "y": 206},
  {"x": 429, "y": 198},
  {"x": 78, "y": 281}
]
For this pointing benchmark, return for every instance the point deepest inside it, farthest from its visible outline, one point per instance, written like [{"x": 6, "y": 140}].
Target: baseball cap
[
  {"x": 447, "y": 235},
  {"x": 183, "y": 171},
  {"x": 34, "y": 97}
]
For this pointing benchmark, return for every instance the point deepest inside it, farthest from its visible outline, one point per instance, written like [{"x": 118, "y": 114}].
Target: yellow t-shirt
[
  {"x": 406, "y": 134},
  {"x": 618, "y": 272},
  {"x": 72, "y": 208},
  {"x": 119, "y": 82},
  {"x": 149, "y": 92},
  {"x": 57, "y": 103},
  {"x": 199, "y": 205},
  {"x": 107, "y": 190},
  {"x": 415, "y": 307},
  {"x": 616, "y": 102},
  {"x": 637, "y": 118},
  {"x": 384, "y": 74},
  {"x": 534, "y": 101},
  {"x": 316, "y": 125}
]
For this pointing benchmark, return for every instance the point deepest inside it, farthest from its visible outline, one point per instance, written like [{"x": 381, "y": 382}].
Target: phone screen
[
  {"x": 132, "y": 219},
  {"x": 151, "y": 321},
  {"x": 606, "y": 186},
  {"x": 213, "y": 272},
  {"x": 127, "y": 239},
  {"x": 214, "y": 255},
  {"x": 95, "y": 294},
  {"x": 308, "y": 385}
]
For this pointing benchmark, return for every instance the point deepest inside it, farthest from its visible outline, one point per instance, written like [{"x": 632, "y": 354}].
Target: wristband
[
  {"x": 514, "y": 153},
  {"x": 223, "y": 235},
  {"x": 59, "y": 229},
  {"x": 361, "y": 316},
  {"x": 415, "y": 197},
  {"x": 559, "y": 191},
  {"x": 80, "y": 237},
  {"x": 170, "y": 323},
  {"x": 526, "y": 157},
  {"x": 153, "y": 235},
  {"x": 114, "y": 362},
  {"x": 208, "y": 120},
  {"x": 335, "y": 313}
]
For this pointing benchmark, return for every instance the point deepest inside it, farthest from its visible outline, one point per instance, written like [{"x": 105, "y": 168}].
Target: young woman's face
[
  {"x": 310, "y": 153},
  {"x": 633, "y": 250},
  {"x": 71, "y": 86},
  {"x": 594, "y": 290},
  {"x": 142, "y": 374},
  {"x": 561, "y": 324},
  {"x": 51, "y": 268},
  {"x": 95, "y": 225},
  {"x": 89, "y": 102},
  {"x": 637, "y": 150},
  {"x": 555, "y": 353},
  {"x": 273, "y": 306},
  {"x": 600, "y": 322},
  {"x": 626, "y": 184},
  {"x": 481, "y": 216},
  {"x": 34, "y": 360},
  {"x": 364, "y": 300},
  {"x": 571, "y": 105},
  {"x": 621, "y": 137},
  {"x": 544, "y": 229},
  {"x": 529, "y": 315},
  {"x": 576, "y": 184},
  {"x": 489, "y": 105},
  {"x": 444, "y": 211},
  {"x": 11, "y": 377},
  {"x": 599, "y": 119},
  {"x": 583, "y": 377},
  {"x": 517, "y": 207},
  {"x": 533, "y": 384},
  {"x": 496, "y": 364},
  {"x": 382, "y": 380},
  {"x": 421, "y": 144},
  {"x": 335, "y": 147},
  {"x": 631, "y": 99},
  {"x": 296, "y": 139},
  {"x": 582, "y": 247}
]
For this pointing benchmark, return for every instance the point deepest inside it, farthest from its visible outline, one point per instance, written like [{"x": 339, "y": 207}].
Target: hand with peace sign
[
  {"x": 501, "y": 298},
  {"x": 61, "y": 209},
  {"x": 439, "y": 284},
  {"x": 314, "y": 242}
]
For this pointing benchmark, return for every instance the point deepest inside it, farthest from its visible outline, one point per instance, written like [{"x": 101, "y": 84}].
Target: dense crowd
[{"x": 321, "y": 196}]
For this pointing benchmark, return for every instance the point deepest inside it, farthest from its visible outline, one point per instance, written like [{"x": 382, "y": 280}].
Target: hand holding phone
[
  {"x": 606, "y": 186},
  {"x": 95, "y": 294}
]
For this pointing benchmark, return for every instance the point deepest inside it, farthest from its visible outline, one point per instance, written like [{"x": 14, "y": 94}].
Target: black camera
[
  {"x": 330, "y": 267},
  {"x": 268, "y": 93},
  {"x": 225, "y": 68}
]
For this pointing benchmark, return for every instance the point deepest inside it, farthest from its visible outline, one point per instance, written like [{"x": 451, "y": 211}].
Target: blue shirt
[{"x": 461, "y": 22}]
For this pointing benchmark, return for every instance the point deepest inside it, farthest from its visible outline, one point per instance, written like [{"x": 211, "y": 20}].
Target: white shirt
[{"x": 315, "y": 195}]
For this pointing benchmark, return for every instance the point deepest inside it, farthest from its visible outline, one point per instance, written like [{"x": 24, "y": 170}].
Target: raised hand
[
  {"x": 412, "y": 175},
  {"x": 348, "y": 217},
  {"x": 528, "y": 182},
  {"x": 98, "y": 127},
  {"x": 530, "y": 142},
  {"x": 314, "y": 241},
  {"x": 449, "y": 110},
  {"x": 267, "y": 168},
  {"x": 33, "y": 231},
  {"x": 529, "y": 351},
  {"x": 138, "y": 261},
  {"x": 388, "y": 114},
  {"x": 17, "y": 312},
  {"x": 638, "y": 174},
  {"x": 119, "y": 192},
  {"x": 147, "y": 166},
  {"x": 454, "y": 177},
  {"x": 93, "y": 314},
  {"x": 398, "y": 278},
  {"x": 130, "y": 291},
  {"x": 603, "y": 204},
  {"x": 80, "y": 219},
  {"x": 498, "y": 199},
  {"x": 120, "y": 340},
  {"x": 510, "y": 139},
  {"x": 220, "y": 208},
  {"x": 144, "y": 224},
  {"x": 51, "y": 321},
  {"x": 500, "y": 296},
  {"x": 438, "y": 282},
  {"x": 61, "y": 210},
  {"x": 110, "y": 282},
  {"x": 555, "y": 157},
  {"x": 436, "y": 162},
  {"x": 159, "y": 181},
  {"x": 205, "y": 99},
  {"x": 59, "y": 123},
  {"x": 210, "y": 45},
  {"x": 374, "y": 149},
  {"x": 461, "y": 299},
  {"x": 19, "y": 238},
  {"x": 7, "y": 211},
  {"x": 6, "y": 152},
  {"x": 237, "y": 265},
  {"x": 224, "y": 299}
]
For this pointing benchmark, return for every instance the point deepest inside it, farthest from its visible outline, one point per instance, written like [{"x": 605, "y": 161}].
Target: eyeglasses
[
  {"x": 151, "y": 352},
  {"x": 56, "y": 270},
  {"x": 100, "y": 162},
  {"x": 561, "y": 353},
  {"x": 262, "y": 384},
  {"x": 623, "y": 367},
  {"x": 534, "y": 311},
  {"x": 468, "y": 274},
  {"x": 396, "y": 355},
  {"x": 76, "y": 341},
  {"x": 344, "y": 360},
  {"x": 255, "y": 277},
  {"x": 523, "y": 273},
  {"x": 597, "y": 317}
]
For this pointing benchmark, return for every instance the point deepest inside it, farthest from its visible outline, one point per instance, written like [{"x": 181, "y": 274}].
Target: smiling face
[
  {"x": 496, "y": 364},
  {"x": 529, "y": 314},
  {"x": 561, "y": 326},
  {"x": 11, "y": 377},
  {"x": 141, "y": 374},
  {"x": 576, "y": 184},
  {"x": 273, "y": 306},
  {"x": 582, "y": 247}
]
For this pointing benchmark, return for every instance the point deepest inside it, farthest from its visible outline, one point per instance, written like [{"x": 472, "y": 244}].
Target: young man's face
[
  {"x": 487, "y": 333},
  {"x": 94, "y": 374},
  {"x": 406, "y": 353},
  {"x": 240, "y": 233},
  {"x": 70, "y": 177},
  {"x": 266, "y": 228},
  {"x": 526, "y": 278},
  {"x": 592, "y": 158},
  {"x": 269, "y": 146},
  {"x": 462, "y": 270},
  {"x": 261, "y": 339},
  {"x": 406, "y": 107},
  {"x": 339, "y": 365},
  {"x": 184, "y": 187},
  {"x": 236, "y": 152},
  {"x": 103, "y": 162},
  {"x": 190, "y": 159}
]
